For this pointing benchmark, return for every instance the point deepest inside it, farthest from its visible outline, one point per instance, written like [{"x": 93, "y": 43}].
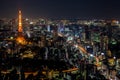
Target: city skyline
[{"x": 61, "y": 9}]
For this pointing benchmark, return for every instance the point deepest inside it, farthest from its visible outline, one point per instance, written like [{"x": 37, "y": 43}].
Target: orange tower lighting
[
  {"x": 20, "y": 22},
  {"x": 20, "y": 39}
]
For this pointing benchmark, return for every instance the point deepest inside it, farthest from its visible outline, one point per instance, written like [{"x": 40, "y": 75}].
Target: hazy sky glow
[{"x": 84, "y": 9}]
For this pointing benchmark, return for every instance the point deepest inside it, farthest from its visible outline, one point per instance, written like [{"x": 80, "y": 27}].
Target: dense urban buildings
[{"x": 46, "y": 49}]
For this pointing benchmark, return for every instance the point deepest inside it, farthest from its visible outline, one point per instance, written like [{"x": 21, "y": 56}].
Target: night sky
[{"x": 61, "y": 9}]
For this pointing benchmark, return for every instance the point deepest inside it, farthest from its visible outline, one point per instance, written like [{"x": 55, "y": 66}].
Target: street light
[
  {"x": 91, "y": 58},
  {"x": 115, "y": 62},
  {"x": 114, "y": 57},
  {"x": 91, "y": 55},
  {"x": 102, "y": 54}
]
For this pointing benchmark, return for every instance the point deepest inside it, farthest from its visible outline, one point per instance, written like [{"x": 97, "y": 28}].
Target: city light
[
  {"x": 91, "y": 55},
  {"x": 76, "y": 46},
  {"x": 21, "y": 40},
  {"x": 114, "y": 57},
  {"x": 102, "y": 53},
  {"x": 87, "y": 47}
]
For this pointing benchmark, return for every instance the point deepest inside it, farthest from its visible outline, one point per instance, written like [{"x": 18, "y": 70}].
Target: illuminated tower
[
  {"x": 20, "y": 22},
  {"x": 20, "y": 38}
]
